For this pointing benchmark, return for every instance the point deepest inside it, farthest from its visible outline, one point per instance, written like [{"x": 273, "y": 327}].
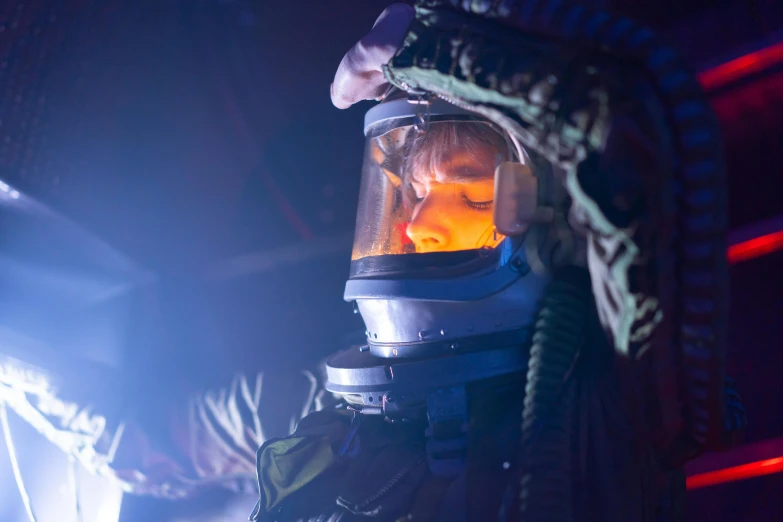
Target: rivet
[
  {"x": 443, "y": 331},
  {"x": 454, "y": 346},
  {"x": 470, "y": 327},
  {"x": 394, "y": 352},
  {"x": 506, "y": 465},
  {"x": 498, "y": 324},
  {"x": 426, "y": 333}
]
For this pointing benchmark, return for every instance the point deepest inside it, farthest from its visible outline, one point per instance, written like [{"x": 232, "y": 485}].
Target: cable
[
  {"x": 73, "y": 479},
  {"x": 15, "y": 463}
]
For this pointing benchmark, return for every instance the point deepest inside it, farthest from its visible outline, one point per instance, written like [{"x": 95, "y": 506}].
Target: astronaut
[{"x": 539, "y": 260}]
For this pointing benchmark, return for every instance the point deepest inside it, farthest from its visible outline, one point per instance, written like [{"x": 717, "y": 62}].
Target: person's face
[{"x": 453, "y": 207}]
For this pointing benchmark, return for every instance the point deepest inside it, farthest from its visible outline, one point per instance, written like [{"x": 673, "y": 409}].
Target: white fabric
[{"x": 359, "y": 76}]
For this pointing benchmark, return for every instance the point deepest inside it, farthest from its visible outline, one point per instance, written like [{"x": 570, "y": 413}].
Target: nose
[{"x": 426, "y": 231}]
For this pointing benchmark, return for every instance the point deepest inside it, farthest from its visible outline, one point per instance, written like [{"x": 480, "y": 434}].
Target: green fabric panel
[{"x": 287, "y": 465}]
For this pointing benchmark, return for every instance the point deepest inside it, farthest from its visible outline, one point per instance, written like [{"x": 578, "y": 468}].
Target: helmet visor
[{"x": 427, "y": 197}]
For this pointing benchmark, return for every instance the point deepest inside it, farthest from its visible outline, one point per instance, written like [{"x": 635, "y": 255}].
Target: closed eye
[{"x": 477, "y": 205}]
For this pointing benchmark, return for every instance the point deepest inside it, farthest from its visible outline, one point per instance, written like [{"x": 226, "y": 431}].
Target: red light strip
[
  {"x": 756, "y": 247},
  {"x": 743, "y": 66},
  {"x": 732, "y": 474},
  {"x": 721, "y": 75}
]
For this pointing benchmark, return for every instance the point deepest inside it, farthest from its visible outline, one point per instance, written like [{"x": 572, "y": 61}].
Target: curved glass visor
[{"x": 426, "y": 198}]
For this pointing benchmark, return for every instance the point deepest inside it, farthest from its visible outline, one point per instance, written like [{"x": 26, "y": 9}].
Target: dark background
[{"x": 197, "y": 137}]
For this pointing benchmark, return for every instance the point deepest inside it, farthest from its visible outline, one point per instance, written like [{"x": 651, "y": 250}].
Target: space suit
[{"x": 539, "y": 260}]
